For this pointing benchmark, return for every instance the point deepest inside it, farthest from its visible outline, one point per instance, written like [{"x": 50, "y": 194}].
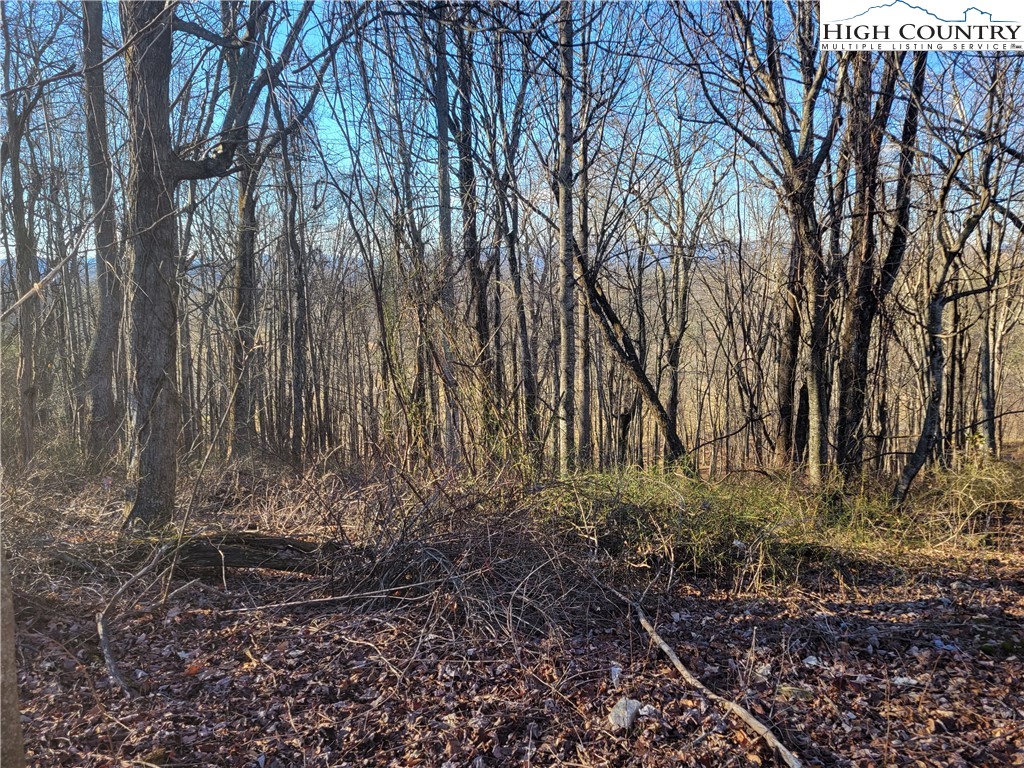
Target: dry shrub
[
  {"x": 480, "y": 551},
  {"x": 60, "y": 528},
  {"x": 503, "y": 553},
  {"x": 979, "y": 504},
  {"x": 650, "y": 524}
]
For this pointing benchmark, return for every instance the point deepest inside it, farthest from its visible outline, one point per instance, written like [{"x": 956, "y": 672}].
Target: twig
[
  {"x": 108, "y": 655},
  {"x": 383, "y": 592},
  {"x": 182, "y": 588},
  {"x": 741, "y": 712},
  {"x": 104, "y": 616}
]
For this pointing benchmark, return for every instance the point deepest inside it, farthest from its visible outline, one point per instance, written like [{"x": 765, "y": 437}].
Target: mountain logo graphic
[
  {"x": 914, "y": 25},
  {"x": 971, "y": 14}
]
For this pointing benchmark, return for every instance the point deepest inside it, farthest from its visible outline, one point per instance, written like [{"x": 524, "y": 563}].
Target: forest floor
[{"x": 914, "y": 659}]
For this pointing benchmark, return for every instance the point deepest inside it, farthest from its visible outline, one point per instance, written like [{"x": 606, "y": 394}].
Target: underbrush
[
  {"x": 506, "y": 552},
  {"x": 468, "y": 590},
  {"x": 980, "y": 504},
  {"x": 665, "y": 524}
]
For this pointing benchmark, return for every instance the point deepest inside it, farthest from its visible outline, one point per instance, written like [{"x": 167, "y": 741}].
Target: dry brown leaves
[
  {"x": 917, "y": 671},
  {"x": 858, "y": 665}
]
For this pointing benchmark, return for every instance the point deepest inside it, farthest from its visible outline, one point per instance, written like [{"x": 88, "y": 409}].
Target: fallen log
[{"x": 254, "y": 550}]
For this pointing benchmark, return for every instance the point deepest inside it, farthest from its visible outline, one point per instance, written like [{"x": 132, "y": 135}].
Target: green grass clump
[
  {"x": 647, "y": 519},
  {"x": 757, "y": 531}
]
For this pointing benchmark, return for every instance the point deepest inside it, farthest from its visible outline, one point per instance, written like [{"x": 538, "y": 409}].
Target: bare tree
[
  {"x": 566, "y": 243},
  {"x": 872, "y": 281},
  {"x": 152, "y": 235},
  {"x": 152, "y": 239},
  {"x": 102, "y": 419},
  {"x": 19, "y": 104},
  {"x": 754, "y": 69},
  {"x": 442, "y": 112},
  {"x": 566, "y": 235},
  {"x": 975, "y": 149}
]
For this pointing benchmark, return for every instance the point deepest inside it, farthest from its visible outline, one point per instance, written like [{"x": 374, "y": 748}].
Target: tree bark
[
  {"x": 152, "y": 240},
  {"x": 986, "y": 377},
  {"x": 101, "y": 419},
  {"x": 872, "y": 282},
  {"x": 297, "y": 262},
  {"x": 12, "y": 749},
  {"x": 240, "y": 430},
  {"x": 19, "y": 107},
  {"x": 567, "y": 283},
  {"x": 507, "y": 222},
  {"x": 866, "y": 133},
  {"x": 789, "y": 347},
  {"x": 471, "y": 254},
  {"x": 809, "y": 236},
  {"x": 952, "y": 244},
  {"x": 932, "y": 415},
  {"x": 442, "y": 105},
  {"x": 625, "y": 350},
  {"x": 151, "y": 233},
  {"x": 585, "y": 455}
]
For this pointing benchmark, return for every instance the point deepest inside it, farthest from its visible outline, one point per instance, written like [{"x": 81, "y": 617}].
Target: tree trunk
[
  {"x": 152, "y": 239},
  {"x": 870, "y": 292},
  {"x": 953, "y": 245},
  {"x": 801, "y": 424},
  {"x": 622, "y": 345},
  {"x": 297, "y": 263},
  {"x": 240, "y": 431},
  {"x": 19, "y": 109},
  {"x": 789, "y": 346},
  {"x": 817, "y": 400},
  {"x": 682, "y": 259},
  {"x": 986, "y": 375},
  {"x": 471, "y": 254},
  {"x": 507, "y": 211},
  {"x": 101, "y": 416},
  {"x": 947, "y": 450},
  {"x": 586, "y": 436},
  {"x": 507, "y": 218},
  {"x": 567, "y": 292},
  {"x": 442, "y": 104},
  {"x": 810, "y": 269},
  {"x": 932, "y": 415},
  {"x": 12, "y": 750},
  {"x": 866, "y": 134}
]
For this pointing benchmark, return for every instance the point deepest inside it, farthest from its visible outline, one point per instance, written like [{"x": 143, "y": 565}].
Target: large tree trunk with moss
[{"x": 152, "y": 239}]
